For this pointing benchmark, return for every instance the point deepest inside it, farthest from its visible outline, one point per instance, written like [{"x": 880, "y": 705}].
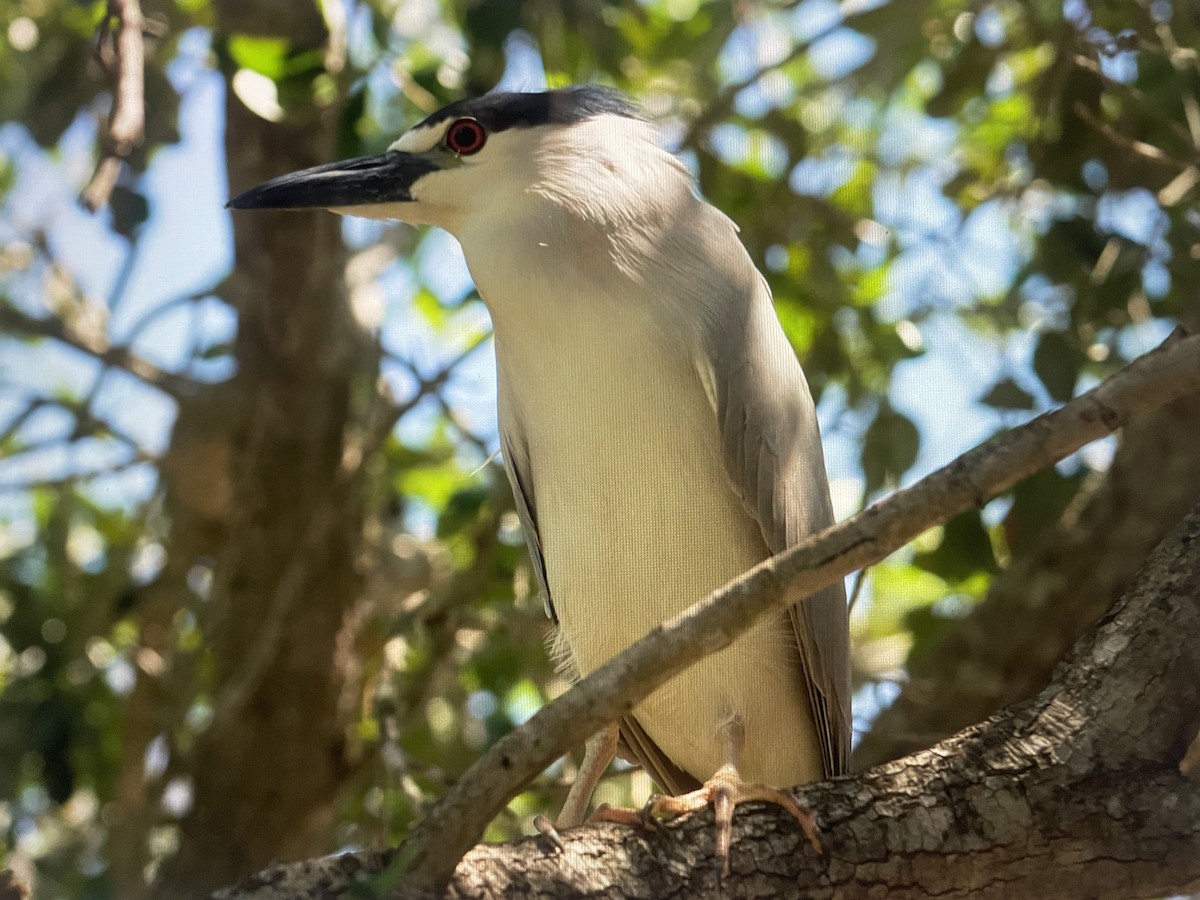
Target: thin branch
[
  {"x": 126, "y": 61},
  {"x": 156, "y": 312},
  {"x": 456, "y": 823},
  {"x": 17, "y": 422},
  {"x": 1141, "y": 148},
  {"x": 719, "y": 107},
  {"x": 466, "y": 433},
  {"x": 70, "y": 479},
  {"x": 96, "y": 345},
  {"x": 87, "y": 425},
  {"x": 426, "y": 386},
  {"x": 1133, "y": 92},
  {"x": 1051, "y": 592}
]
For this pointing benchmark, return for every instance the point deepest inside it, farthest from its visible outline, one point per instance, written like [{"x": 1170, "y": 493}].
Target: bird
[{"x": 655, "y": 424}]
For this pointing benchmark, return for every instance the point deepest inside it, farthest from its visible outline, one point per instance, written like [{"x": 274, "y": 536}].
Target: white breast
[{"x": 638, "y": 520}]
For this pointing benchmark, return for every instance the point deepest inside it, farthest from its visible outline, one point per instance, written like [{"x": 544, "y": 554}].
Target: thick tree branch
[
  {"x": 1036, "y": 609},
  {"x": 459, "y": 819},
  {"x": 1076, "y": 793}
]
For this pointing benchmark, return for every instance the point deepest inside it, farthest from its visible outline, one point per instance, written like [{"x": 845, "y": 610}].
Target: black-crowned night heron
[{"x": 656, "y": 427}]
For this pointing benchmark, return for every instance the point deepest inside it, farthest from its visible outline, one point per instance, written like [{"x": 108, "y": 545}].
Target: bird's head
[{"x": 483, "y": 155}]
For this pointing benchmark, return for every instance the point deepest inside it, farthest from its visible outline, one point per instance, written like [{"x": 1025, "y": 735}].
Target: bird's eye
[{"x": 465, "y": 136}]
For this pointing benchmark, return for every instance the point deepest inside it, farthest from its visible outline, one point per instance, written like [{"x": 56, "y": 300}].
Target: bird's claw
[
  {"x": 648, "y": 814},
  {"x": 725, "y": 791},
  {"x": 547, "y": 830}
]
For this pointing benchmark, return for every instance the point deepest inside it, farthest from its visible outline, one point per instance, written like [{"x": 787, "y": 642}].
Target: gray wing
[
  {"x": 520, "y": 476},
  {"x": 772, "y": 452}
]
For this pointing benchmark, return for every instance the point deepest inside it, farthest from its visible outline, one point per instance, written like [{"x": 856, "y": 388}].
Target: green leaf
[
  {"x": 266, "y": 56},
  {"x": 1057, "y": 361},
  {"x": 215, "y": 350},
  {"x": 433, "y": 484},
  {"x": 890, "y": 448},
  {"x": 965, "y": 550},
  {"x": 854, "y": 194},
  {"x": 430, "y": 307},
  {"x": 896, "y": 590},
  {"x": 799, "y": 323},
  {"x": 129, "y": 210},
  {"x": 349, "y": 134},
  {"x": 887, "y": 345},
  {"x": 8, "y": 176},
  {"x": 462, "y": 509},
  {"x": 927, "y": 628},
  {"x": 1007, "y": 394},
  {"x": 1038, "y": 502}
]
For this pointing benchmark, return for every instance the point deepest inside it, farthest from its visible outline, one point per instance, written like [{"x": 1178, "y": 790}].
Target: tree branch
[
  {"x": 1077, "y": 793},
  {"x": 95, "y": 344},
  {"x": 1007, "y": 647},
  {"x": 125, "y": 60},
  {"x": 459, "y": 819}
]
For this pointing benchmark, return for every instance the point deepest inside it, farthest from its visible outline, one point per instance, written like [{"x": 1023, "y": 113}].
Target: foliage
[{"x": 967, "y": 211}]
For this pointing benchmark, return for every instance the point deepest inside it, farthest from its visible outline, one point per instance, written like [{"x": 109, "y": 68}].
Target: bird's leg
[
  {"x": 598, "y": 752},
  {"x": 724, "y": 790}
]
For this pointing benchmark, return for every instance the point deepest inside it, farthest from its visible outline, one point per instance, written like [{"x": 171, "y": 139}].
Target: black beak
[{"x": 366, "y": 181}]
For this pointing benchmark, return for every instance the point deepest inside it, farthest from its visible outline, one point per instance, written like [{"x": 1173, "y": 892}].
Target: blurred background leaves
[{"x": 253, "y": 542}]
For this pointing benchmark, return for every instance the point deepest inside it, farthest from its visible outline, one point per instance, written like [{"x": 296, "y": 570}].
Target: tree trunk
[{"x": 261, "y": 458}]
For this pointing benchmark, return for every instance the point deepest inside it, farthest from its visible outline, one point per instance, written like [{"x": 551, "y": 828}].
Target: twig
[
  {"x": 70, "y": 479},
  {"x": 1148, "y": 107},
  {"x": 95, "y": 345},
  {"x": 1141, "y": 148},
  {"x": 127, "y": 124},
  {"x": 86, "y": 425},
  {"x": 426, "y": 386},
  {"x": 17, "y": 422},
  {"x": 720, "y": 105},
  {"x": 456, "y": 823}
]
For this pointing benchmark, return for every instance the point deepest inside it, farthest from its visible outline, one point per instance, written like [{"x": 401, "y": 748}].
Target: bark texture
[
  {"x": 1076, "y": 793},
  {"x": 1006, "y": 649}
]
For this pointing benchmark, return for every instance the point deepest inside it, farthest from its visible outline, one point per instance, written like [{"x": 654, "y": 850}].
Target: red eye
[{"x": 465, "y": 136}]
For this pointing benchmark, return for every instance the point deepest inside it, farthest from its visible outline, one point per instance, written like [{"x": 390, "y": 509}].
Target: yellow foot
[{"x": 725, "y": 790}]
